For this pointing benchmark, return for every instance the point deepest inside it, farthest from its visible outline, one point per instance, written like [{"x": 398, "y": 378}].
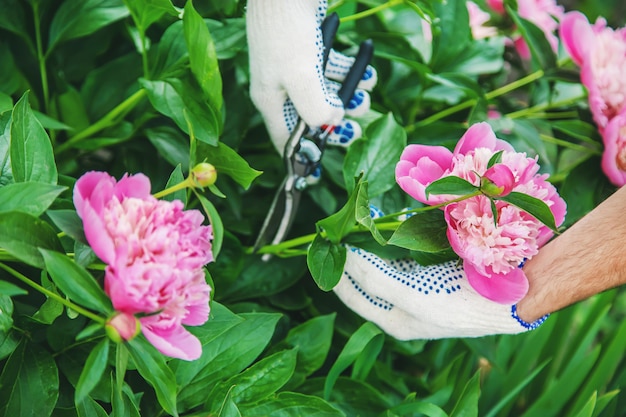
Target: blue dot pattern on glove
[
  {"x": 342, "y": 134},
  {"x": 375, "y": 301},
  {"x": 357, "y": 99},
  {"x": 438, "y": 279}
]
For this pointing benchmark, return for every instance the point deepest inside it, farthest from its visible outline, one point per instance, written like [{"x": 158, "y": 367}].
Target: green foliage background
[{"x": 129, "y": 86}]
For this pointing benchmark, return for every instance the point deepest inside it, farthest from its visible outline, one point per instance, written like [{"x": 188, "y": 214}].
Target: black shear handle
[{"x": 361, "y": 61}]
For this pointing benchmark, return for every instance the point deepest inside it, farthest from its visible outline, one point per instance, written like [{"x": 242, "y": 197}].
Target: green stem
[
  {"x": 52, "y": 295},
  {"x": 570, "y": 145},
  {"x": 286, "y": 248},
  {"x": 541, "y": 107},
  {"x": 469, "y": 103},
  {"x": 108, "y": 120},
  {"x": 41, "y": 58},
  {"x": 187, "y": 183},
  {"x": 371, "y": 11}
]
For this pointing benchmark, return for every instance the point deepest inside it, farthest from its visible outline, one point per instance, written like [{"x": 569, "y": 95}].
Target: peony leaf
[
  {"x": 293, "y": 404},
  {"x": 423, "y": 232},
  {"x": 496, "y": 158},
  {"x": 533, "y": 206},
  {"x": 256, "y": 383},
  {"x": 76, "y": 282},
  {"x": 29, "y": 197},
  {"x": 451, "y": 185},
  {"x": 227, "y": 161},
  {"x": 216, "y": 224},
  {"x": 23, "y": 235},
  {"x": 69, "y": 222},
  {"x": 153, "y": 368},
  {"x": 93, "y": 370},
  {"x": 326, "y": 260},
  {"x": 32, "y": 158},
  {"x": 202, "y": 56}
]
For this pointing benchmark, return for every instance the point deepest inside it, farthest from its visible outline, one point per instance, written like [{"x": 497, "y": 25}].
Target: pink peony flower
[
  {"x": 496, "y": 5},
  {"x": 601, "y": 53},
  {"x": 614, "y": 156},
  {"x": 491, "y": 250},
  {"x": 155, "y": 253},
  {"x": 421, "y": 165}
]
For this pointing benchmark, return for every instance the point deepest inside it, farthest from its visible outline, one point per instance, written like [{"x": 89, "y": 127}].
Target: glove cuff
[{"x": 525, "y": 324}]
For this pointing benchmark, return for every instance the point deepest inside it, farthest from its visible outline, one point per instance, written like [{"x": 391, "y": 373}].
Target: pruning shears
[{"x": 304, "y": 149}]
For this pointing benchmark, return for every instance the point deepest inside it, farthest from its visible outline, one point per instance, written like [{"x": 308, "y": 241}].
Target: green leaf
[
  {"x": 29, "y": 197},
  {"x": 227, "y": 161},
  {"x": 6, "y": 176},
  {"x": 51, "y": 309},
  {"x": 147, "y": 12},
  {"x": 451, "y": 34},
  {"x": 423, "y": 232},
  {"x": 543, "y": 57},
  {"x": 533, "y": 206},
  {"x": 32, "y": 158},
  {"x": 176, "y": 177},
  {"x": 216, "y": 224},
  {"x": 451, "y": 185},
  {"x": 202, "y": 56},
  {"x": 23, "y": 235},
  {"x": 74, "y": 19},
  {"x": 92, "y": 371},
  {"x": 291, "y": 404},
  {"x": 29, "y": 384},
  {"x": 363, "y": 215},
  {"x": 257, "y": 382},
  {"x": 231, "y": 340},
  {"x": 467, "y": 404},
  {"x": 367, "y": 339},
  {"x": 376, "y": 155},
  {"x": 186, "y": 106},
  {"x": 90, "y": 408},
  {"x": 313, "y": 340},
  {"x": 153, "y": 368},
  {"x": 496, "y": 158},
  {"x": 6, "y": 313},
  {"x": 6, "y": 288},
  {"x": 76, "y": 282},
  {"x": 69, "y": 223},
  {"x": 326, "y": 261}
]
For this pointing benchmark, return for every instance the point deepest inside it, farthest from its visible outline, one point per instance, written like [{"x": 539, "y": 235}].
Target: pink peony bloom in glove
[
  {"x": 155, "y": 253},
  {"x": 491, "y": 249}
]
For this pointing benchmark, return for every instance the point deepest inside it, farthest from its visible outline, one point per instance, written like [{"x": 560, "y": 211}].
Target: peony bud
[
  {"x": 497, "y": 181},
  {"x": 204, "y": 174},
  {"x": 122, "y": 326}
]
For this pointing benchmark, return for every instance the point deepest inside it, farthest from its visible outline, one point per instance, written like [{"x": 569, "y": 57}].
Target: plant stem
[
  {"x": 52, "y": 295},
  {"x": 187, "y": 183},
  {"x": 286, "y": 248},
  {"x": 469, "y": 103},
  {"x": 108, "y": 120},
  {"x": 41, "y": 57},
  {"x": 371, "y": 11},
  {"x": 541, "y": 107},
  {"x": 570, "y": 145}
]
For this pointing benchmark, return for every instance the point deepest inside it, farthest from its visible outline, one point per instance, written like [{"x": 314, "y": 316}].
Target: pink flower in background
[
  {"x": 477, "y": 20},
  {"x": 614, "y": 156},
  {"x": 544, "y": 14},
  {"x": 491, "y": 250},
  {"x": 601, "y": 53},
  {"x": 155, "y": 253}
]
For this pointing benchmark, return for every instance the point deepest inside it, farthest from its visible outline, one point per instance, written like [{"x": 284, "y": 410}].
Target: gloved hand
[
  {"x": 286, "y": 75},
  {"x": 409, "y": 301}
]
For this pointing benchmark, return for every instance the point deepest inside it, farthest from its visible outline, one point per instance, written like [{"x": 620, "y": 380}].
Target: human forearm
[{"x": 586, "y": 259}]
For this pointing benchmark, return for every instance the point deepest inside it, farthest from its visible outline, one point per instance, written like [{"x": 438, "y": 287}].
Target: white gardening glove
[
  {"x": 409, "y": 301},
  {"x": 286, "y": 75}
]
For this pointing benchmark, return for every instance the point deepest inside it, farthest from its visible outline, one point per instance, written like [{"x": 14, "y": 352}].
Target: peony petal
[
  {"x": 577, "y": 35},
  {"x": 174, "y": 341},
  {"x": 611, "y": 154},
  {"x": 479, "y": 135},
  {"x": 96, "y": 234},
  {"x": 440, "y": 154},
  {"x": 87, "y": 184},
  {"x": 502, "y": 288},
  {"x": 134, "y": 186}
]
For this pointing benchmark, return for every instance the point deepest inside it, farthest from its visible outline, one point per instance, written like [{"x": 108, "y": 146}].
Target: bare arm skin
[{"x": 586, "y": 259}]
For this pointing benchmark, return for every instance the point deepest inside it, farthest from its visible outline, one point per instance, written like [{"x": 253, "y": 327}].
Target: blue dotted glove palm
[
  {"x": 286, "y": 74},
  {"x": 410, "y": 301}
]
